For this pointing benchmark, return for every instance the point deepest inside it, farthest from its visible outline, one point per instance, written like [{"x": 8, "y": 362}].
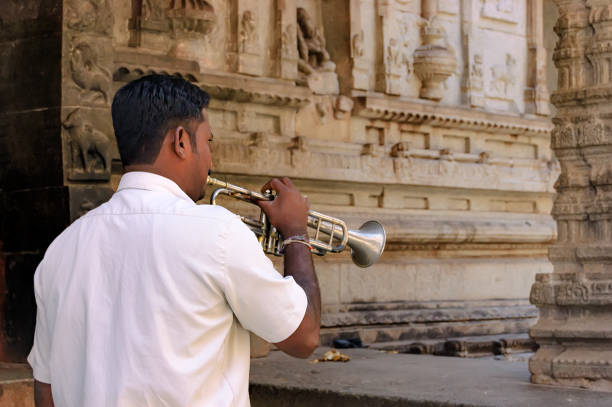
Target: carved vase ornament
[{"x": 434, "y": 61}]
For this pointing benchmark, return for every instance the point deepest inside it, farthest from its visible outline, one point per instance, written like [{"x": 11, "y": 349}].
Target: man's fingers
[
  {"x": 274, "y": 184},
  {"x": 288, "y": 182},
  {"x": 264, "y": 204}
]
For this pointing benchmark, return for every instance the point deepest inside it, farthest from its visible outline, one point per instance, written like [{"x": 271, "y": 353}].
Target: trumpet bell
[{"x": 367, "y": 243}]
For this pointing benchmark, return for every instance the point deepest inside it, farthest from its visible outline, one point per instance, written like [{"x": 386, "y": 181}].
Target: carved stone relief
[
  {"x": 88, "y": 74},
  {"x": 398, "y": 42},
  {"x": 503, "y": 79},
  {"x": 286, "y": 26},
  {"x": 89, "y": 15},
  {"x": 289, "y": 42},
  {"x": 434, "y": 61},
  {"x": 357, "y": 50},
  {"x": 85, "y": 198},
  {"x": 316, "y": 68},
  {"x": 576, "y": 296},
  {"x": 90, "y": 149},
  {"x": 181, "y": 26},
  {"x": 190, "y": 16},
  {"x": 501, "y": 10},
  {"x": 258, "y": 123},
  {"x": 474, "y": 86},
  {"x": 248, "y": 33}
]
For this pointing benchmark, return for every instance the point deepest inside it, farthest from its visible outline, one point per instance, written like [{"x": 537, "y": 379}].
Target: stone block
[
  {"x": 17, "y": 393},
  {"x": 329, "y": 276},
  {"x": 380, "y": 282},
  {"x": 31, "y": 74},
  {"x": 34, "y": 217},
  {"x": 32, "y": 150},
  {"x": 18, "y": 305},
  {"x": 259, "y": 347},
  {"x": 30, "y": 18}
]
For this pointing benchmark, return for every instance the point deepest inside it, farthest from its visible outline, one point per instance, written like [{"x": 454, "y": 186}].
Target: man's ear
[{"x": 180, "y": 140}]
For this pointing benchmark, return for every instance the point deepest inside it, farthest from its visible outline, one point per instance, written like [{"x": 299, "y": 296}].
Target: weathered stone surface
[
  {"x": 34, "y": 217},
  {"x": 30, "y": 137},
  {"x": 429, "y": 116},
  {"x": 575, "y": 301},
  {"x": 18, "y": 306},
  {"x": 376, "y": 379}
]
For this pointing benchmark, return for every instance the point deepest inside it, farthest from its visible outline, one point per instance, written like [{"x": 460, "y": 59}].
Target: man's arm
[
  {"x": 289, "y": 214},
  {"x": 298, "y": 264},
  {"x": 42, "y": 394}
]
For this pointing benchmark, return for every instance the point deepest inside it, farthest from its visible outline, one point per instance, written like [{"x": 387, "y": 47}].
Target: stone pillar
[
  {"x": 56, "y": 148},
  {"x": 250, "y": 55},
  {"x": 575, "y": 301},
  {"x": 392, "y": 60},
  {"x": 536, "y": 92},
  {"x": 360, "y": 70},
  {"x": 286, "y": 27},
  {"x": 472, "y": 84}
]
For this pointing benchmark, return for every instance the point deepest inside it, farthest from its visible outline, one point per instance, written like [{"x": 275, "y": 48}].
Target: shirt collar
[{"x": 151, "y": 182}]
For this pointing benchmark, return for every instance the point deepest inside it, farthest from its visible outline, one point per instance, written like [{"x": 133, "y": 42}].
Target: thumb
[{"x": 263, "y": 204}]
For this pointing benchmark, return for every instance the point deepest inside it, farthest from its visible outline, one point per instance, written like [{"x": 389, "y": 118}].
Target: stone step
[
  {"x": 401, "y": 315},
  {"x": 16, "y": 385},
  {"x": 425, "y": 331},
  {"x": 474, "y": 346}
]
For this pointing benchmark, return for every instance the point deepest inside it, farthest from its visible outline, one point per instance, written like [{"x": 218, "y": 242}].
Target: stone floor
[
  {"x": 375, "y": 379},
  {"x": 16, "y": 385}
]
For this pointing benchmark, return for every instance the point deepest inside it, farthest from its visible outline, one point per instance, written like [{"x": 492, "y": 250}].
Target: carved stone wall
[
  {"x": 430, "y": 116},
  {"x": 427, "y": 115},
  {"x": 575, "y": 301}
]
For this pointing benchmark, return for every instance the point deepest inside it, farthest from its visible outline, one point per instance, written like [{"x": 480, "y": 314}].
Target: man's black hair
[{"x": 145, "y": 109}]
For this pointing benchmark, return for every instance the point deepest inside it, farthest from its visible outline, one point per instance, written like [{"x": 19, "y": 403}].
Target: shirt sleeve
[
  {"x": 266, "y": 303},
  {"x": 40, "y": 354}
]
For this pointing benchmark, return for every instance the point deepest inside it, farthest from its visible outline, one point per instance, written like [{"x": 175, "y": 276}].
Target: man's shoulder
[{"x": 208, "y": 213}]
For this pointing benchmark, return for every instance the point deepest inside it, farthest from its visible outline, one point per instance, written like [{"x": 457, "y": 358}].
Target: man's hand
[{"x": 288, "y": 212}]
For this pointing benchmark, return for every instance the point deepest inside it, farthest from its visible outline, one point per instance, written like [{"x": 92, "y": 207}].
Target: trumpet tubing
[{"x": 330, "y": 234}]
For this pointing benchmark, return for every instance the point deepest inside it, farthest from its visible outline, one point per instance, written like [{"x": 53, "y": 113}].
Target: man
[{"x": 145, "y": 300}]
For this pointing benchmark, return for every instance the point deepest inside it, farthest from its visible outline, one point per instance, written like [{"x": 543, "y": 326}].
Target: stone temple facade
[{"x": 431, "y": 116}]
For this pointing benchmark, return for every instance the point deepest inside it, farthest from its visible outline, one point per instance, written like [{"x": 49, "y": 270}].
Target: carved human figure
[
  {"x": 311, "y": 45},
  {"x": 477, "y": 66},
  {"x": 357, "y": 45},
  {"x": 503, "y": 76},
  {"x": 289, "y": 39},
  {"x": 248, "y": 31}
]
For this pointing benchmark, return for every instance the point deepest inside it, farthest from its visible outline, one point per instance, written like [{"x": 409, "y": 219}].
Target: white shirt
[{"x": 145, "y": 301}]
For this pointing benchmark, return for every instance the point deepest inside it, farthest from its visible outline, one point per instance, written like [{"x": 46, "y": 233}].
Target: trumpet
[{"x": 330, "y": 235}]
